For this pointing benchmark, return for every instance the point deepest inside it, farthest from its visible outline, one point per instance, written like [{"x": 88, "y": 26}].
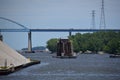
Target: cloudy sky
[{"x": 53, "y": 14}]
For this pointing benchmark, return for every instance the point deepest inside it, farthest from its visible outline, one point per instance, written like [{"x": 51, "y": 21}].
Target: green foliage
[
  {"x": 52, "y": 45},
  {"x": 98, "y": 41},
  {"x": 113, "y": 46},
  {"x": 118, "y": 50}
]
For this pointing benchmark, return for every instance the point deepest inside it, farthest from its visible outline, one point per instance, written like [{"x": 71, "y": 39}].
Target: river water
[{"x": 84, "y": 67}]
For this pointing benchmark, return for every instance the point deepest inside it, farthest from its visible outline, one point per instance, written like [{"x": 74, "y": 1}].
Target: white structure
[{"x": 10, "y": 57}]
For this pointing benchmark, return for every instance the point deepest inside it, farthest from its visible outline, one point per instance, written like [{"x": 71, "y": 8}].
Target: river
[{"x": 84, "y": 67}]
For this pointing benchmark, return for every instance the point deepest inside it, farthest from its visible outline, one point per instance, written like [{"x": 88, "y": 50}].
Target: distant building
[
  {"x": 40, "y": 49},
  {"x": 37, "y": 49}
]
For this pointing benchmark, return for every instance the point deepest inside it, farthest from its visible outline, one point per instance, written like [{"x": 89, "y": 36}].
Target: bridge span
[
  {"x": 52, "y": 30},
  {"x": 56, "y": 30},
  {"x": 25, "y": 29}
]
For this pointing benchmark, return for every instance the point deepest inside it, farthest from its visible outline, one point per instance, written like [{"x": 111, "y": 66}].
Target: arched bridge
[{"x": 25, "y": 29}]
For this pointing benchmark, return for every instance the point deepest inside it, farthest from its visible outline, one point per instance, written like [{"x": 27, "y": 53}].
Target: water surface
[{"x": 84, "y": 67}]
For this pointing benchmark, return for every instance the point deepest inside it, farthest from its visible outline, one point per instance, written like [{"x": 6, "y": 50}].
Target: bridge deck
[{"x": 56, "y": 30}]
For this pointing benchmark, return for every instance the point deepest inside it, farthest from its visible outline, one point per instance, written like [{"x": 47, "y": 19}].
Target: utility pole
[{"x": 102, "y": 17}]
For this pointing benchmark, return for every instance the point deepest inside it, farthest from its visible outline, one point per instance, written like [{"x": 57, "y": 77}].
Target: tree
[
  {"x": 97, "y": 41},
  {"x": 113, "y": 46},
  {"x": 52, "y": 45},
  {"x": 118, "y": 50}
]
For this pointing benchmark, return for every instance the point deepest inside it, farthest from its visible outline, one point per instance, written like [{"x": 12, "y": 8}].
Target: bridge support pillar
[
  {"x": 1, "y": 37},
  {"x": 29, "y": 42}
]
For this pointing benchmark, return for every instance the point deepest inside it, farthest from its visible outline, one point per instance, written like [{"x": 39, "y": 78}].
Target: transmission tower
[
  {"x": 102, "y": 17},
  {"x": 93, "y": 19}
]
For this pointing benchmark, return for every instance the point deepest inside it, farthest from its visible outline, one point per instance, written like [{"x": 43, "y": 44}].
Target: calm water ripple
[{"x": 84, "y": 67}]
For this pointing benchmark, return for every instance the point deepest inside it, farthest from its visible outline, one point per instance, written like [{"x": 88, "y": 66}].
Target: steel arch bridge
[{"x": 25, "y": 29}]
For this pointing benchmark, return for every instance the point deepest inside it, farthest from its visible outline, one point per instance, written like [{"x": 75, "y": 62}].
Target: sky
[{"x": 37, "y": 14}]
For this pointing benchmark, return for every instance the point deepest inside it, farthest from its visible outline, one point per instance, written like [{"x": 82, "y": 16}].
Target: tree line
[{"x": 108, "y": 42}]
